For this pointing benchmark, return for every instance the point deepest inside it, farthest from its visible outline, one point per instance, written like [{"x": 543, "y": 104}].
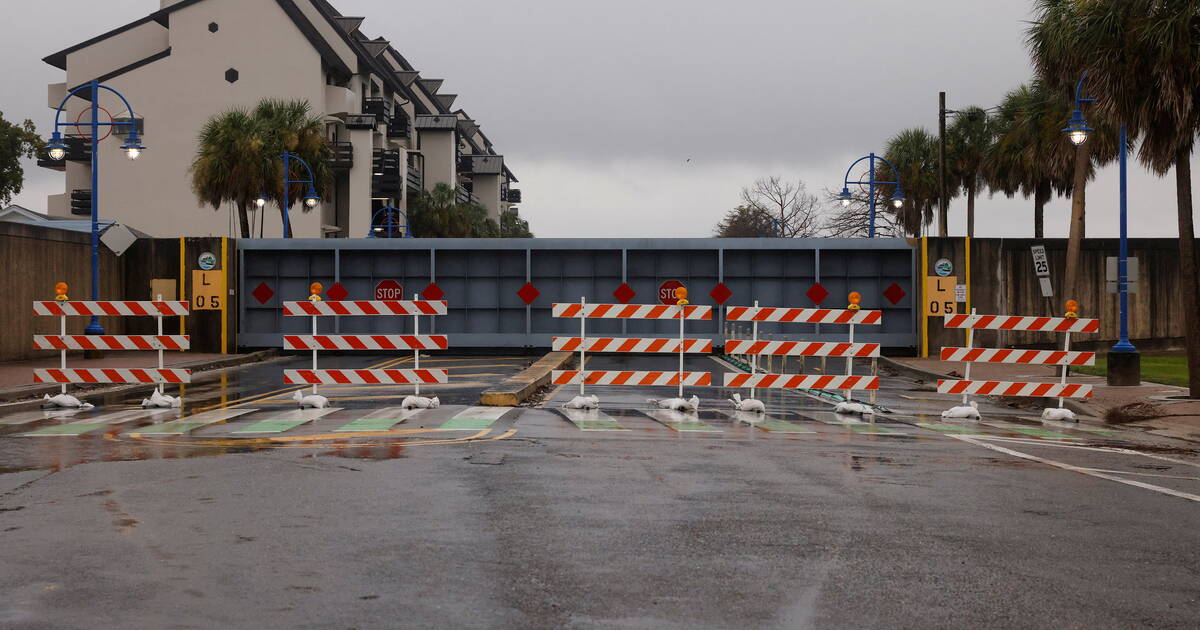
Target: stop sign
[
  {"x": 666, "y": 292},
  {"x": 389, "y": 290}
]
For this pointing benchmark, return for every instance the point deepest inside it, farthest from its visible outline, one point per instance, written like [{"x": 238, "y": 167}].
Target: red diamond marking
[
  {"x": 337, "y": 292},
  {"x": 433, "y": 292},
  {"x": 528, "y": 293},
  {"x": 894, "y": 293},
  {"x": 817, "y": 293},
  {"x": 720, "y": 293},
  {"x": 624, "y": 293},
  {"x": 262, "y": 293}
]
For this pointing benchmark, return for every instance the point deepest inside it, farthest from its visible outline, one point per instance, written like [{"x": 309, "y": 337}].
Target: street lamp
[
  {"x": 311, "y": 199},
  {"x": 1124, "y": 357},
  {"x": 897, "y": 199},
  {"x": 385, "y": 223},
  {"x": 56, "y": 149}
]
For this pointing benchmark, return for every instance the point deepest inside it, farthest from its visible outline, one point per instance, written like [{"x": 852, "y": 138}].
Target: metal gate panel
[{"x": 481, "y": 277}]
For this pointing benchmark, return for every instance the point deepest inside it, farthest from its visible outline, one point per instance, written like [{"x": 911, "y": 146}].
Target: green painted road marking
[
  {"x": 95, "y": 423},
  {"x": 287, "y": 420},
  {"x": 380, "y": 419},
  {"x": 950, "y": 428},
  {"x": 1042, "y": 433},
  {"x": 474, "y": 419},
  {"x": 781, "y": 426},
  {"x": 684, "y": 423},
  {"x": 875, "y": 430},
  {"x": 192, "y": 422},
  {"x": 25, "y": 417},
  {"x": 592, "y": 420}
]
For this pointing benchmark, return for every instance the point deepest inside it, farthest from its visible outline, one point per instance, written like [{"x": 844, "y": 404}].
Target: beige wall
[
  {"x": 437, "y": 146},
  {"x": 487, "y": 189}
]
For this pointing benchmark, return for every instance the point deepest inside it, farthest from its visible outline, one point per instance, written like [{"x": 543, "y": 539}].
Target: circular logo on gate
[
  {"x": 943, "y": 267},
  {"x": 666, "y": 292},
  {"x": 207, "y": 261}
]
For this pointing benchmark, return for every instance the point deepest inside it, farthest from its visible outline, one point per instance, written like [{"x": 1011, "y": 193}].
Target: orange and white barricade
[
  {"x": 62, "y": 308},
  {"x": 1071, "y": 323},
  {"x": 850, "y": 350},
  {"x": 584, "y": 344},
  {"x": 315, "y": 307}
]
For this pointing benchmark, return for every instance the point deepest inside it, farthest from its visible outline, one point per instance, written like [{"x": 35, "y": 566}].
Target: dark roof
[
  {"x": 447, "y": 122},
  {"x": 162, "y": 16}
]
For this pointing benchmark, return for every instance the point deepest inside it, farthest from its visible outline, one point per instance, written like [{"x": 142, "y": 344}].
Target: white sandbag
[
  {"x": 583, "y": 402},
  {"x": 853, "y": 408},
  {"x": 420, "y": 402},
  {"x": 968, "y": 411},
  {"x": 311, "y": 401},
  {"x": 162, "y": 401},
  {"x": 676, "y": 404},
  {"x": 66, "y": 401},
  {"x": 1056, "y": 413},
  {"x": 749, "y": 404}
]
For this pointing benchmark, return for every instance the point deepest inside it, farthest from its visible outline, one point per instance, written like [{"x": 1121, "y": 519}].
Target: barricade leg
[{"x": 62, "y": 354}]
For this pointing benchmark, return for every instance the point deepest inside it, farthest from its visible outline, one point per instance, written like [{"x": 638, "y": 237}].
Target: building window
[{"x": 231, "y": 75}]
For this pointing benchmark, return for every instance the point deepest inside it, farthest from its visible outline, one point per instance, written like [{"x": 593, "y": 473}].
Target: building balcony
[
  {"x": 81, "y": 202},
  {"x": 381, "y": 108},
  {"x": 387, "y": 180},
  {"x": 465, "y": 164},
  {"x": 360, "y": 121},
  {"x": 512, "y": 195},
  {"x": 339, "y": 100},
  {"x": 79, "y": 149},
  {"x": 398, "y": 129},
  {"x": 343, "y": 156},
  {"x": 416, "y": 179}
]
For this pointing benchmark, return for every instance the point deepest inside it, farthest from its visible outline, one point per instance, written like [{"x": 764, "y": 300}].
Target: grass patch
[{"x": 1168, "y": 369}]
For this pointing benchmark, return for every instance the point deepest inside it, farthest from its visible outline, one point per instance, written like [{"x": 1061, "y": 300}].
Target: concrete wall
[
  {"x": 1003, "y": 282},
  {"x": 437, "y": 146}
]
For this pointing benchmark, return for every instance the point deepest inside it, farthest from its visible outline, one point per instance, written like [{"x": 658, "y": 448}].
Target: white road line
[
  {"x": 1101, "y": 449},
  {"x": 1082, "y": 471},
  {"x": 1142, "y": 474}
]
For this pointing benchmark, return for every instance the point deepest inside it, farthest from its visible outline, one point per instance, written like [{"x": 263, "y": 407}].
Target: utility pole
[{"x": 943, "y": 209}]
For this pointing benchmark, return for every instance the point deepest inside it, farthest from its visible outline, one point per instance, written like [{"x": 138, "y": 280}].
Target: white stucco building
[{"x": 192, "y": 59}]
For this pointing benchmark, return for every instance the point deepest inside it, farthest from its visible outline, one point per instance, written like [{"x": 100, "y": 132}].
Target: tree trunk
[
  {"x": 243, "y": 219},
  {"x": 971, "y": 210},
  {"x": 1040, "y": 195},
  {"x": 1070, "y": 286},
  {"x": 1190, "y": 293}
]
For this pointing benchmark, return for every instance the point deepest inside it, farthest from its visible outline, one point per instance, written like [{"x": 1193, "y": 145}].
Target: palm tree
[
  {"x": 229, "y": 164},
  {"x": 289, "y": 126},
  {"x": 914, "y": 153},
  {"x": 968, "y": 141},
  {"x": 1029, "y": 155},
  {"x": 1143, "y": 62},
  {"x": 437, "y": 213}
]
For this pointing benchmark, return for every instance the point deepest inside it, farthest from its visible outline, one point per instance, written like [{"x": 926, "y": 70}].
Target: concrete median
[{"x": 517, "y": 389}]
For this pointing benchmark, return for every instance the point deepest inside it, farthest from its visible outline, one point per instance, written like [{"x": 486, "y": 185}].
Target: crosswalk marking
[
  {"x": 592, "y": 420},
  {"x": 25, "y": 417},
  {"x": 94, "y": 423},
  {"x": 1028, "y": 430},
  {"x": 767, "y": 423},
  {"x": 380, "y": 419},
  {"x": 474, "y": 419},
  {"x": 950, "y": 428},
  {"x": 192, "y": 422},
  {"x": 286, "y": 420},
  {"x": 874, "y": 429},
  {"x": 681, "y": 422}
]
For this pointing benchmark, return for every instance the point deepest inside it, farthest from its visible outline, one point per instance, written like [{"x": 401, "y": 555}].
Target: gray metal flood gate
[{"x": 481, "y": 279}]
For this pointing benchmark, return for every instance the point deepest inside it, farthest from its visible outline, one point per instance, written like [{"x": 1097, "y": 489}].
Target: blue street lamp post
[
  {"x": 1124, "y": 362},
  {"x": 57, "y": 150},
  {"x": 311, "y": 199},
  {"x": 897, "y": 198},
  {"x": 385, "y": 223}
]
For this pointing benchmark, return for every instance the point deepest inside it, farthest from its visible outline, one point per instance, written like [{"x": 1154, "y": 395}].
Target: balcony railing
[
  {"x": 81, "y": 202},
  {"x": 416, "y": 179},
  {"x": 463, "y": 195},
  {"x": 398, "y": 128},
  {"x": 386, "y": 177},
  {"x": 465, "y": 164},
  {"x": 381, "y": 108},
  {"x": 79, "y": 149},
  {"x": 513, "y": 195},
  {"x": 343, "y": 156}
]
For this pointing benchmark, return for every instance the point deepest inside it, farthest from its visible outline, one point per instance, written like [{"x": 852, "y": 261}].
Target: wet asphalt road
[{"x": 533, "y": 522}]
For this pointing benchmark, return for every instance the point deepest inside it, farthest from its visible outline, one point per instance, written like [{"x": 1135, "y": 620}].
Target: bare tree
[
  {"x": 795, "y": 212},
  {"x": 853, "y": 220}
]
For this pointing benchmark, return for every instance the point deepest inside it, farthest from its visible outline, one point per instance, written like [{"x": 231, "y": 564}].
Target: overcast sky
[{"x": 645, "y": 118}]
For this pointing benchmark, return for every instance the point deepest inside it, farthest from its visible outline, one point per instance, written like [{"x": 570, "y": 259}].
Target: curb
[
  {"x": 518, "y": 388},
  {"x": 17, "y": 397}
]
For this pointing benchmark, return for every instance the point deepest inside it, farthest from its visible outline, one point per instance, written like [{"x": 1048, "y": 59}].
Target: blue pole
[
  {"x": 94, "y": 327},
  {"x": 1123, "y": 345},
  {"x": 871, "y": 227},
  {"x": 287, "y": 227}
]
